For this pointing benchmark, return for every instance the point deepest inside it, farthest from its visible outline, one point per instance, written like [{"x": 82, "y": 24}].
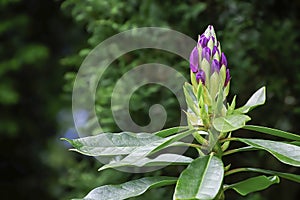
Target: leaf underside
[
  {"x": 128, "y": 189},
  {"x": 257, "y": 99},
  {"x": 286, "y": 153},
  {"x": 161, "y": 160}
]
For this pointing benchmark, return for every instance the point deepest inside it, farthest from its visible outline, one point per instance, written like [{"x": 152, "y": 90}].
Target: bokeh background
[{"x": 42, "y": 44}]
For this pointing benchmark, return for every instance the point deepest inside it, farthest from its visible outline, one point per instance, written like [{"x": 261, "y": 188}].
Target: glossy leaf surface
[
  {"x": 230, "y": 122},
  {"x": 258, "y": 98},
  {"x": 202, "y": 179},
  {"x": 272, "y": 131},
  {"x": 254, "y": 184}
]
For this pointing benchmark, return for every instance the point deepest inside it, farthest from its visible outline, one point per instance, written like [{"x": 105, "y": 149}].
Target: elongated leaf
[
  {"x": 165, "y": 142},
  {"x": 171, "y": 131},
  {"x": 190, "y": 97},
  {"x": 199, "y": 92},
  {"x": 271, "y": 131},
  {"x": 108, "y": 144},
  {"x": 161, "y": 160},
  {"x": 128, "y": 189},
  {"x": 254, "y": 184},
  {"x": 139, "y": 155},
  {"x": 230, "y": 122},
  {"x": 202, "y": 179},
  {"x": 258, "y": 98},
  {"x": 231, "y": 107},
  {"x": 288, "y": 176},
  {"x": 286, "y": 153},
  {"x": 297, "y": 143},
  {"x": 193, "y": 119},
  {"x": 207, "y": 99},
  {"x": 220, "y": 100}
]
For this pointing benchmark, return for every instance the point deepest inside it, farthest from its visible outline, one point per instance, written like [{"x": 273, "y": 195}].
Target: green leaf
[
  {"x": 165, "y": 142},
  {"x": 258, "y": 98},
  {"x": 231, "y": 107},
  {"x": 193, "y": 119},
  {"x": 170, "y": 131},
  {"x": 286, "y": 153},
  {"x": 161, "y": 160},
  {"x": 108, "y": 144},
  {"x": 226, "y": 144},
  {"x": 230, "y": 122},
  {"x": 138, "y": 155},
  {"x": 128, "y": 189},
  {"x": 297, "y": 143},
  {"x": 190, "y": 97},
  {"x": 207, "y": 99},
  {"x": 202, "y": 179},
  {"x": 194, "y": 80},
  {"x": 214, "y": 85},
  {"x": 254, "y": 184},
  {"x": 199, "y": 91},
  {"x": 288, "y": 176},
  {"x": 220, "y": 104},
  {"x": 271, "y": 131}
]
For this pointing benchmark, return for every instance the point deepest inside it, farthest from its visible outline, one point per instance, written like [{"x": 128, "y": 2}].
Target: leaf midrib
[{"x": 206, "y": 167}]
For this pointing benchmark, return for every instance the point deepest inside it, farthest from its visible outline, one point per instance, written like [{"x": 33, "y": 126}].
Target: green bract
[{"x": 212, "y": 124}]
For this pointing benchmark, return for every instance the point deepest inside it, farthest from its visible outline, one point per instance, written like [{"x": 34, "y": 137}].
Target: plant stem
[
  {"x": 200, "y": 152},
  {"x": 189, "y": 145},
  {"x": 196, "y": 146},
  {"x": 228, "y": 139},
  {"x": 248, "y": 148},
  {"x": 199, "y": 138},
  {"x": 233, "y": 171},
  {"x": 220, "y": 195}
]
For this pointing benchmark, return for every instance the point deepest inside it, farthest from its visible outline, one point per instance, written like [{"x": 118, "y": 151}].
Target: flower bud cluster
[
  {"x": 210, "y": 79},
  {"x": 207, "y": 60}
]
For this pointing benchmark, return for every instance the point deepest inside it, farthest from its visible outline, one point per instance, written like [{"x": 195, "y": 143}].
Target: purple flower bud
[
  {"x": 207, "y": 58},
  {"x": 215, "y": 49},
  {"x": 223, "y": 59},
  {"x": 215, "y": 66},
  {"x": 203, "y": 41},
  {"x": 227, "y": 78},
  {"x": 213, "y": 38},
  {"x": 194, "y": 60},
  {"x": 206, "y": 53},
  {"x": 201, "y": 76},
  {"x": 210, "y": 32}
]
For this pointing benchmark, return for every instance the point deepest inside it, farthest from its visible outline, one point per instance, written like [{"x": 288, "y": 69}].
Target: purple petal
[
  {"x": 215, "y": 49},
  {"x": 213, "y": 39},
  {"x": 223, "y": 60},
  {"x": 206, "y": 53},
  {"x": 201, "y": 76},
  {"x": 201, "y": 36},
  {"x": 227, "y": 78},
  {"x": 194, "y": 60},
  {"x": 203, "y": 41},
  {"x": 215, "y": 66}
]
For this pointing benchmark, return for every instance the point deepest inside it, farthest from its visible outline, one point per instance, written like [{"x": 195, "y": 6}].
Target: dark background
[{"x": 42, "y": 44}]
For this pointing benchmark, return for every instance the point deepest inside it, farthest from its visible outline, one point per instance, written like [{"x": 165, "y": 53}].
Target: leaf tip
[{"x": 65, "y": 139}]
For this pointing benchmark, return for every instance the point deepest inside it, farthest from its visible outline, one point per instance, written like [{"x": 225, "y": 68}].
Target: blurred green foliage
[
  {"x": 33, "y": 39},
  {"x": 44, "y": 42}
]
